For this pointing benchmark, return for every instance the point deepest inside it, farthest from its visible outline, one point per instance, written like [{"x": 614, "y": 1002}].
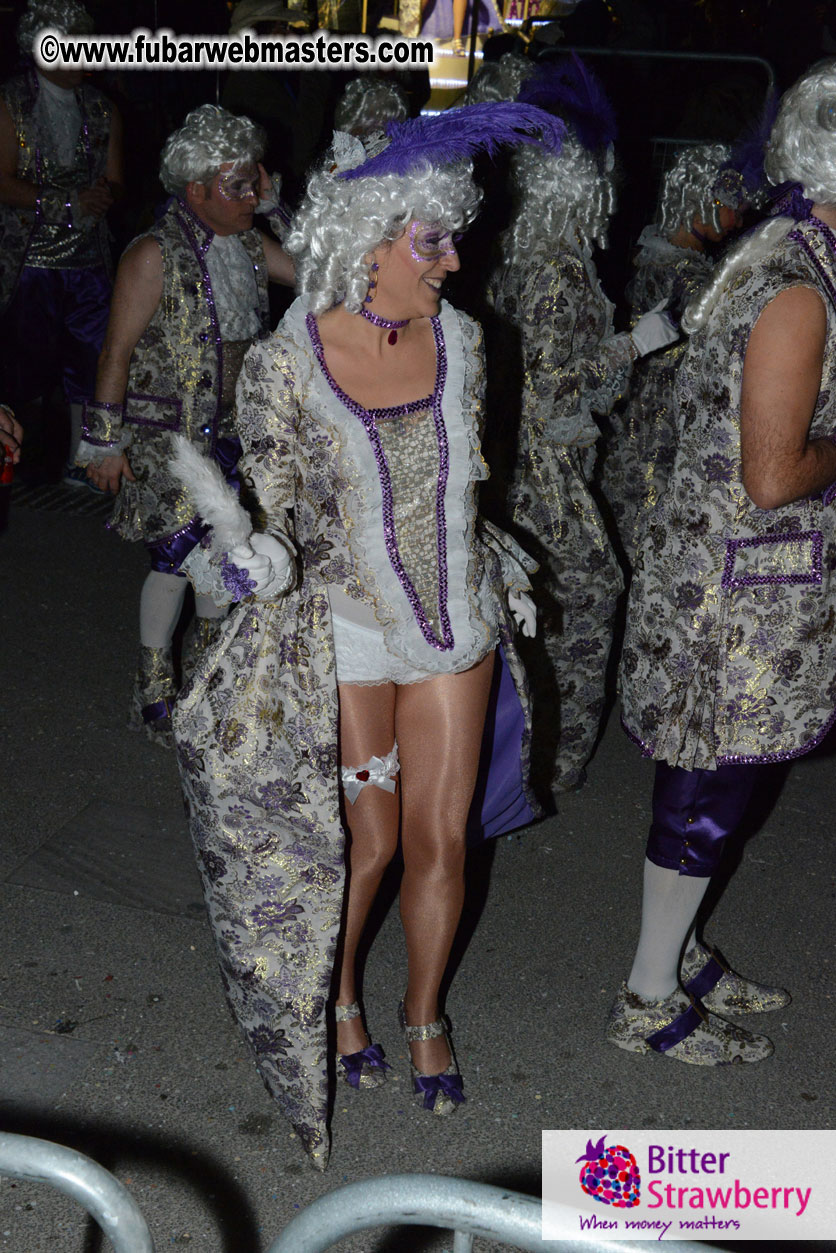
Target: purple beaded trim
[
  {"x": 369, "y": 419},
  {"x": 189, "y": 221},
  {"x": 377, "y": 320},
  {"x": 159, "y": 423},
  {"x": 744, "y": 759},
  {"x": 830, "y": 239},
  {"x": 813, "y": 575},
  {"x": 99, "y": 443}
]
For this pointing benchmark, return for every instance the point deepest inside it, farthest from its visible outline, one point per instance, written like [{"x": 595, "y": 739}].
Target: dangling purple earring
[{"x": 372, "y": 283}]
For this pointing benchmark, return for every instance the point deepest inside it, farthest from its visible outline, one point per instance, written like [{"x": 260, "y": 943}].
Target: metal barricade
[
  {"x": 468, "y": 1209},
  {"x": 104, "y": 1198}
]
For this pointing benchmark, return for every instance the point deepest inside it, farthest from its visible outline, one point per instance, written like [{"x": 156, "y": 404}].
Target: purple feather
[
  {"x": 569, "y": 87},
  {"x": 748, "y": 153},
  {"x": 459, "y": 134}
]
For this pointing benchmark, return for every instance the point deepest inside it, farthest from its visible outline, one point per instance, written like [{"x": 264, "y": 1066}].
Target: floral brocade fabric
[
  {"x": 257, "y": 727},
  {"x": 553, "y": 319},
  {"x": 22, "y": 231},
  {"x": 730, "y": 648},
  {"x": 640, "y": 450},
  {"x": 182, "y": 379}
]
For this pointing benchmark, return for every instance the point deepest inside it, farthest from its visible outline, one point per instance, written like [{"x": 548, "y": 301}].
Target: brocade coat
[
  {"x": 256, "y": 728},
  {"x": 558, "y": 364},
  {"x": 640, "y": 451},
  {"x": 730, "y": 649}
]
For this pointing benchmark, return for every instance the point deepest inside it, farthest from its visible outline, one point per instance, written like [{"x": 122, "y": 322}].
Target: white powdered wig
[
  {"x": 64, "y": 15},
  {"x": 802, "y": 146},
  {"x": 368, "y": 103},
  {"x": 556, "y": 196},
  {"x": 688, "y": 188},
  {"x": 498, "y": 80},
  {"x": 801, "y": 149},
  {"x": 209, "y": 138},
  {"x": 341, "y": 222}
]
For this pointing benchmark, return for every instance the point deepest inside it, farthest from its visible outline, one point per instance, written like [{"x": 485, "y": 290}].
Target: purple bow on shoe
[
  {"x": 354, "y": 1063},
  {"x": 448, "y": 1085}
]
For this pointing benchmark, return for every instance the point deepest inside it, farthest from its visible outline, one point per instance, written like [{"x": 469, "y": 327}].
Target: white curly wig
[
  {"x": 498, "y": 80},
  {"x": 802, "y": 146},
  {"x": 367, "y": 104},
  {"x": 688, "y": 188},
  {"x": 801, "y": 149},
  {"x": 208, "y": 139},
  {"x": 64, "y": 15},
  {"x": 342, "y": 221},
  {"x": 554, "y": 196}
]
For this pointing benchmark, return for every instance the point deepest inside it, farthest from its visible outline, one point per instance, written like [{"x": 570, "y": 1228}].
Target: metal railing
[
  {"x": 468, "y": 1209},
  {"x": 112, "y": 1206}
]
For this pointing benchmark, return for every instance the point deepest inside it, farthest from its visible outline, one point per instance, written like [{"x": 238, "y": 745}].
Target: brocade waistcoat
[
  {"x": 730, "y": 648},
  {"x": 47, "y": 236}
]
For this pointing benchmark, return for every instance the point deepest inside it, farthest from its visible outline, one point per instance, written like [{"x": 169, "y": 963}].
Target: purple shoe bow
[
  {"x": 354, "y": 1063},
  {"x": 449, "y": 1085}
]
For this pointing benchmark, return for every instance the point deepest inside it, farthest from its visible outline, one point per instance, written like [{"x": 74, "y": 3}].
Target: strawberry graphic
[{"x": 610, "y": 1175}]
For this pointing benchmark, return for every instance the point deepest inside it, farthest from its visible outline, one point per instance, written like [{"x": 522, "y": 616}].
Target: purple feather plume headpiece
[
  {"x": 458, "y": 134},
  {"x": 748, "y": 153},
  {"x": 569, "y": 87}
]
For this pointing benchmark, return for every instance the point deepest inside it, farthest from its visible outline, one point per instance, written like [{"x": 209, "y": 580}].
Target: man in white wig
[
  {"x": 190, "y": 298},
  {"x": 729, "y": 660}
]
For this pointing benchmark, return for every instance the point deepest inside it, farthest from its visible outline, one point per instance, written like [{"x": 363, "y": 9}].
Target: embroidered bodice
[{"x": 383, "y": 501}]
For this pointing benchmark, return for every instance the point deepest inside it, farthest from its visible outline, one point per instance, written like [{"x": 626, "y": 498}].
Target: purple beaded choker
[{"x": 386, "y": 323}]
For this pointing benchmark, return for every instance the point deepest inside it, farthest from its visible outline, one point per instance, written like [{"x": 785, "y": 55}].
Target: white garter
[{"x": 378, "y": 770}]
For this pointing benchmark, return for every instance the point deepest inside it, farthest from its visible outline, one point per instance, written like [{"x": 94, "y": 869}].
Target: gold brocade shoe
[
  {"x": 365, "y": 1068},
  {"x": 442, "y": 1093},
  {"x": 680, "y": 1027},
  {"x": 153, "y": 696},
  {"x": 706, "y": 976}
]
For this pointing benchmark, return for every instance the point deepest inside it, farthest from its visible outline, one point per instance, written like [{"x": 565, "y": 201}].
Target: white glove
[
  {"x": 266, "y": 562},
  {"x": 654, "y": 330},
  {"x": 524, "y": 613}
]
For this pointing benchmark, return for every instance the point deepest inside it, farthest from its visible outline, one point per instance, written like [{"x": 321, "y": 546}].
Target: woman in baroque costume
[
  {"x": 374, "y": 666},
  {"x": 562, "y": 364},
  {"x": 729, "y": 660}
]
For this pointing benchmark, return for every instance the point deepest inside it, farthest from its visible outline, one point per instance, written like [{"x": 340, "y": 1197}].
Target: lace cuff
[
  {"x": 275, "y": 210},
  {"x": 205, "y": 575},
  {"x": 90, "y": 452},
  {"x": 514, "y": 563}
]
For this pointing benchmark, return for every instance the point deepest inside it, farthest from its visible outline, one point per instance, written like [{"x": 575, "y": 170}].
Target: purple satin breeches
[
  {"x": 694, "y": 813},
  {"x": 53, "y": 332}
]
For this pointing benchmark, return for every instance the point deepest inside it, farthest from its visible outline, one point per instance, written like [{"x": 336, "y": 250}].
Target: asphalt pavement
[{"x": 114, "y": 1035}]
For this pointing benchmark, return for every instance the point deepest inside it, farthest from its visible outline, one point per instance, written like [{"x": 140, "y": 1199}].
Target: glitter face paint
[{"x": 430, "y": 242}]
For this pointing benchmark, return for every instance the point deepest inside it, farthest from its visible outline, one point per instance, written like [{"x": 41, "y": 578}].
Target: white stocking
[
  {"x": 159, "y": 608},
  {"x": 205, "y": 607},
  {"x": 669, "y": 905}
]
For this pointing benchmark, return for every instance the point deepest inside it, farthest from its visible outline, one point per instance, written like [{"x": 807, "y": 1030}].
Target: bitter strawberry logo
[{"x": 610, "y": 1174}]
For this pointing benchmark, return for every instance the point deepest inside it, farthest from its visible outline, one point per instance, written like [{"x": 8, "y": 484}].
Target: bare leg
[
  {"x": 439, "y": 725},
  {"x": 367, "y": 729},
  {"x": 459, "y": 10}
]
